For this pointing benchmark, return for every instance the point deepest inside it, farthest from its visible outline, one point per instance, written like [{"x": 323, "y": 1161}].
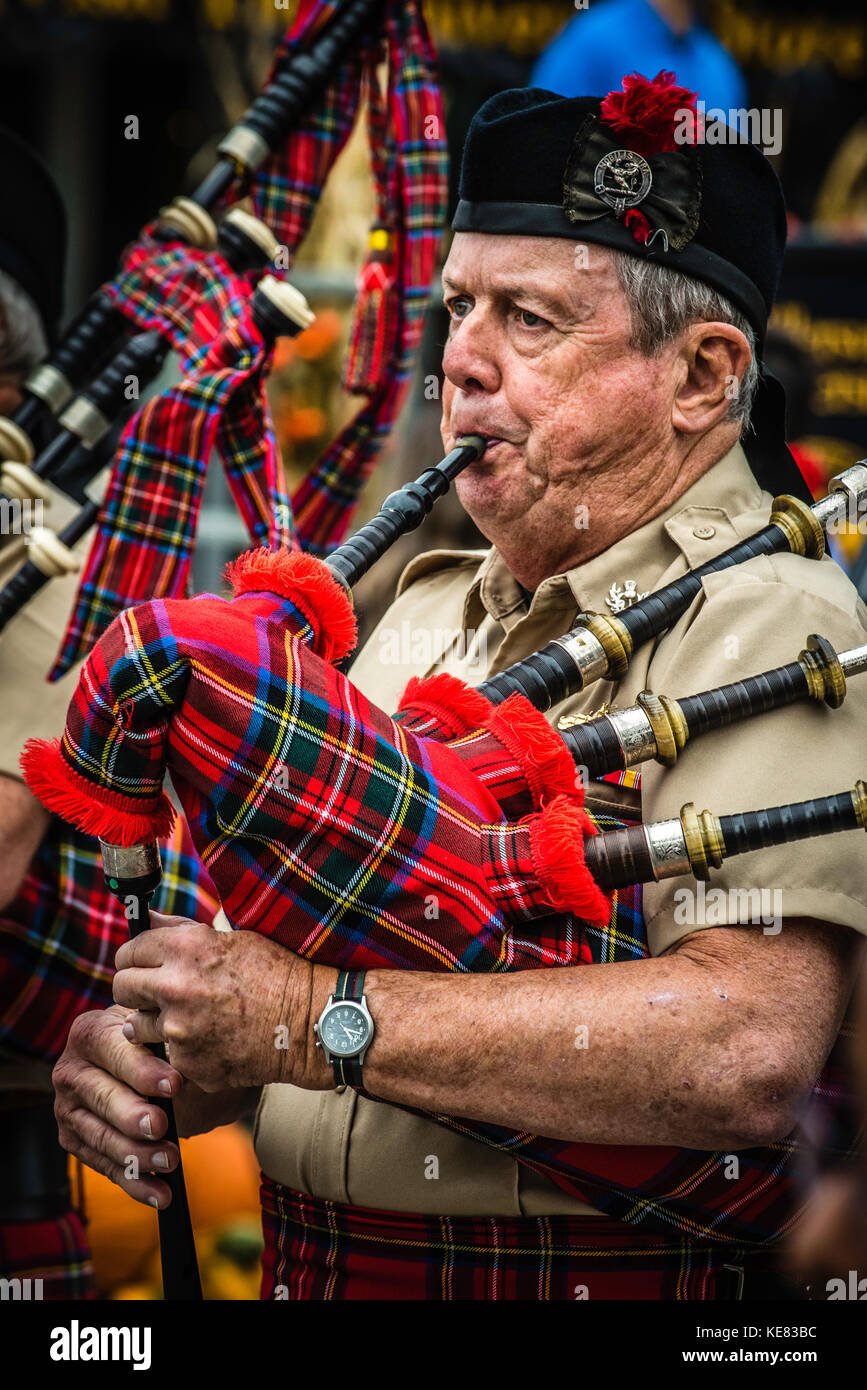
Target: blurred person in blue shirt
[{"x": 610, "y": 37}]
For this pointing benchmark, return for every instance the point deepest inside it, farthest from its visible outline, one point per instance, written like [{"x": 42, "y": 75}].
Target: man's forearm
[
  {"x": 675, "y": 1050},
  {"x": 23, "y": 822}
]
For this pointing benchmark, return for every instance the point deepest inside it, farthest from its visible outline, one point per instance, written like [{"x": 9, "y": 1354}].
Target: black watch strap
[{"x": 350, "y": 985}]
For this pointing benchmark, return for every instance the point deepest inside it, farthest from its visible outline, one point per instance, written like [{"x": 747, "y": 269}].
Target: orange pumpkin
[{"x": 222, "y": 1178}]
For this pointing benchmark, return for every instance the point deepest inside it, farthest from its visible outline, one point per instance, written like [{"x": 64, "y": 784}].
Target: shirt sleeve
[
  {"x": 750, "y": 620},
  {"x": 31, "y": 707}
]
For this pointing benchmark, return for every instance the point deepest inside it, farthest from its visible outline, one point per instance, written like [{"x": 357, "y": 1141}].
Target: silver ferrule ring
[
  {"x": 50, "y": 385},
  {"x": 667, "y": 844},
  {"x": 854, "y": 661},
  {"x": 130, "y": 861},
  {"x": 81, "y": 417},
  {"x": 587, "y": 654},
  {"x": 245, "y": 147},
  {"x": 635, "y": 734}
]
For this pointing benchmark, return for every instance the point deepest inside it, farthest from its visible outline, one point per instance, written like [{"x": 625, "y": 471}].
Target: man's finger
[
  {"x": 150, "y": 1191},
  {"x": 137, "y": 989},
  {"x": 96, "y": 1040},
  {"x": 144, "y": 1028},
  {"x": 135, "y": 1157},
  {"x": 149, "y": 947},
  {"x": 114, "y": 1103}
]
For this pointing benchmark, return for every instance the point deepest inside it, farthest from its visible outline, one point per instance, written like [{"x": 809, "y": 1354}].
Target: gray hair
[
  {"x": 22, "y": 337},
  {"x": 663, "y": 302}
]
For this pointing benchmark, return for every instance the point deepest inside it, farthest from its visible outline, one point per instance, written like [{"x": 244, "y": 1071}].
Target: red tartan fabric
[
  {"x": 321, "y": 823},
  {"x": 318, "y": 1251},
  {"x": 412, "y": 195},
  {"x": 511, "y": 747},
  {"x": 55, "y": 1252}
]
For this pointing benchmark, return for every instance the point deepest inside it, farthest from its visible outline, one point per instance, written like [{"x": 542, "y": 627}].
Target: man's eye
[
  {"x": 458, "y": 307},
  {"x": 531, "y": 320}
]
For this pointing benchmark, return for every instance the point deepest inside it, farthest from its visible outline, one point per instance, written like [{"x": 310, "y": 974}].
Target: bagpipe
[
  {"x": 416, "y": 796},
  {"x": 73, "y": 459},
  {"x": 346, "y": 835},
  {"x": 333, "y": 827}
]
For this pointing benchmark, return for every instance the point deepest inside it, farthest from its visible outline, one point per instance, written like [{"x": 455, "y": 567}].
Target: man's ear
[{"x": 711, "y": 363}]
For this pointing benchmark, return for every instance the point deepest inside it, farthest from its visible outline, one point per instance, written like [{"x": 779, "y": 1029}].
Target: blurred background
[{"x": 72, "y": 73}]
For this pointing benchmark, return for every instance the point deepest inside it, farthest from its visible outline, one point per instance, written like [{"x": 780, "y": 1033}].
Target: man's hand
[
  {"x": 102, "y": 1118},
  {"x": 234, "y": 1008}
]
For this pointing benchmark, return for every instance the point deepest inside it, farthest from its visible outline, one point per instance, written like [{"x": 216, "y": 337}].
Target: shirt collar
[{"x": 698, "y": 525}]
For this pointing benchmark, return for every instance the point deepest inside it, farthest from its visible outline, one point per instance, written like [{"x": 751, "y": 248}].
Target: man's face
[{"x": 538, "y": 358}]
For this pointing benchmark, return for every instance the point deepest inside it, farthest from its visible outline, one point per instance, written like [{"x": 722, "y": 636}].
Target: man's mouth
[{"x": 492, "y": 442}]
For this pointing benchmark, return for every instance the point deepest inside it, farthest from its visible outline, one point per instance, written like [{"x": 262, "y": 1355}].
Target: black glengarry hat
[{"x": 638, "y": 171}]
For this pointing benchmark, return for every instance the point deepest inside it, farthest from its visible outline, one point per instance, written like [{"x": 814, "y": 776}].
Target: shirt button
[{"x": 704, "y": 533}]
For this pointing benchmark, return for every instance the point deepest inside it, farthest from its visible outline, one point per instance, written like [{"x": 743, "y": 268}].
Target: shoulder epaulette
[{"x": 435, "y": 560}]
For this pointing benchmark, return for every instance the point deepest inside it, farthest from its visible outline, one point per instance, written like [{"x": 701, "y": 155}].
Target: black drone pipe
[
  {"x": 695, "y": 842},
  {"x": 261, "y": 130},
  {"x": 600, "y": 647},
  {"x": 659, "y": 726},
  {"x": 279, "y": 310},
  {"x": 89, "y": 418}
]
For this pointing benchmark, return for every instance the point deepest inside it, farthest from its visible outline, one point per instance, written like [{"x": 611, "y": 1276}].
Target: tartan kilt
[
  {"x": 318, "y": 1250},
  {"x": 56, "y": 1251}
]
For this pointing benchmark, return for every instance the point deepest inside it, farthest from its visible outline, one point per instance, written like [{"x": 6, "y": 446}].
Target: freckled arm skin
[
  {"x": 714, "y": 1045},
  {"x": 23, "y": 822}
]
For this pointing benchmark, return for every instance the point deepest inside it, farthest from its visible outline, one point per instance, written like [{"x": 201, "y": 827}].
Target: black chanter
[{"x": 133, "y": 876}]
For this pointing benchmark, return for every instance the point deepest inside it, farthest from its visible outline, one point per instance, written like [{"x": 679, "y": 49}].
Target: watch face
[{"x": 344, "y": 1029}]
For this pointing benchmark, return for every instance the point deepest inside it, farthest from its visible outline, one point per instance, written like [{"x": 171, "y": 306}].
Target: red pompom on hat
[{"x": 648, "y": 112}]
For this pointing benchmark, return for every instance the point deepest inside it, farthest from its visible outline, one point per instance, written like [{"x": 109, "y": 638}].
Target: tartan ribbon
[
  {"x": 146, "y": 530},
  {"x": 412, "y": 198},
  {"x": 147, "y": 525}
]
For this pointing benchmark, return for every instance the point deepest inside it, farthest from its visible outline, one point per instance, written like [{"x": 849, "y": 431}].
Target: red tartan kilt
[
  {"x": 316, "y": 1250},
  {"x": 55, "y": 1251}
]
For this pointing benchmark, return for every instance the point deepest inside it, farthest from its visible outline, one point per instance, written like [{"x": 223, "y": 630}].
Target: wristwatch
[{"x": 345, "y": 1028}]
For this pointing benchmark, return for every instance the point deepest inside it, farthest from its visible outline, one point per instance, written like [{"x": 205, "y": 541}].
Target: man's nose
[{"x": 470, "y": 357}]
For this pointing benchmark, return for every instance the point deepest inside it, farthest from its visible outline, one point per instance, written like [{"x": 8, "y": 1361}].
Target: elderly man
[{"x": 604, "y": 337}]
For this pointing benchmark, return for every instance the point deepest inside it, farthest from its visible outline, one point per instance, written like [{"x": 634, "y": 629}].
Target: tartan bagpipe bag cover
[{"x": 350, "y": 839}]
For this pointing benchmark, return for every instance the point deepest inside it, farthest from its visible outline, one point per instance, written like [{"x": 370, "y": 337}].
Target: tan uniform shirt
[
  {"x": 468, "y": 606},
  {"x": 31, "y": 707}
]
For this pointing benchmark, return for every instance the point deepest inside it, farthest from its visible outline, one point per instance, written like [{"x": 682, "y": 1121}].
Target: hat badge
[{"x": 622, "y": 179}]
